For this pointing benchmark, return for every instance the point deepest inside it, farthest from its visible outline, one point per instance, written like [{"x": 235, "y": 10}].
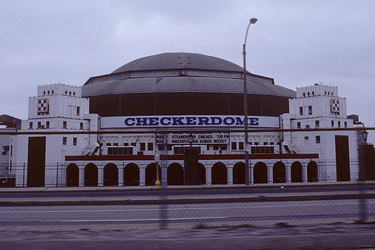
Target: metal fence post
[
  {"x": 163, "y": 209},
  {"x": 362, "y": 182},
  {"x": 57, "y": 174},
  {"x": 23, "y": 176}
]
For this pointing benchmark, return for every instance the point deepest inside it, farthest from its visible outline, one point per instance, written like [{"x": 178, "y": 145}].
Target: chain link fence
[{"x": 333, "y": 171}]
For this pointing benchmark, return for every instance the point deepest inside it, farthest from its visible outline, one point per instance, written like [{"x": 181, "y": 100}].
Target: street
[
  {"x": 183, "y": 215},
  {"x": 186, "y": 218}
]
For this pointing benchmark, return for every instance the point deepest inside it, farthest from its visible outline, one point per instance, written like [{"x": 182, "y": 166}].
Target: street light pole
[
  {"x": 362, "y": 178},
  {"x": 157, "y": 182},
  {"x": 247, "y": 170}
]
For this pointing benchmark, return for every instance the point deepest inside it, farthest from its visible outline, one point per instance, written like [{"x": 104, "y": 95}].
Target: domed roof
[
  {"x": 170, "y": 61},
  {"x": 181, "y": 72},
  {"x": 183, "y": 83}
]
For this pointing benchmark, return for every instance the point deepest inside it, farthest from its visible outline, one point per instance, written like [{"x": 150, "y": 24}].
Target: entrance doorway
[
  {"x": 175, "y": 174},
  {"x": 91, "y": 175},
  {"x": 260, "y": 173},
  {"x": 36, "y": 162},
  {"x": 219, "y": 173},
  {"x": 239, "y": 173},
  {"x": 279, "y": 172},
  {"x": 312, "y": 172},
  {"x": 151, "y": 174},
  {"x": 110, "y": 175},
  {"x": 296, "y": 171},
  {"x": 72, "y": 175},
  {"x": 131, "y": 175}
]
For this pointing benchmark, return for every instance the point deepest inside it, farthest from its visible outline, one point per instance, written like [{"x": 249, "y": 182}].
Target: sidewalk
[
  {"x": 159, "y": 198},
  {"x": 354, "y": 184}
]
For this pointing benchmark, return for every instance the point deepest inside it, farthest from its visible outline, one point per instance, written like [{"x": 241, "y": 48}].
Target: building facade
[{"x": 178, "y": 117}]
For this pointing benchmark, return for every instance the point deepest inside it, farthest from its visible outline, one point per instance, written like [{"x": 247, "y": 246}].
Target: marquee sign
[
  {"x": 335, "y": 106},
  {"x": 43, "y": 105},
  {"x": 201, "y": 138},
  {"x": 188, "y": 121}
]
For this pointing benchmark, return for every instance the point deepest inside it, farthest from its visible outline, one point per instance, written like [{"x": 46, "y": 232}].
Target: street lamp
[
  {"x": 364, "y": 136},
  {"x": 247, "y": 179},
  {"x": 157, "y": 182},
  {"x": 362, "y": 177}
]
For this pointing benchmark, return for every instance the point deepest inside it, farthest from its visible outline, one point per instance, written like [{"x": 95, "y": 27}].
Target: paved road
[
  {"x": 178, "y": 195},
  {"x": 289, "y": 224},
  {"x": 184, "y": 215}
]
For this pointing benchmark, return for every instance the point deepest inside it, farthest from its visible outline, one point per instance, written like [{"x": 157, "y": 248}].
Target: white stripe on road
[
  {"x": 135, "y": 220},
  {"x": 184, "y": 208}
]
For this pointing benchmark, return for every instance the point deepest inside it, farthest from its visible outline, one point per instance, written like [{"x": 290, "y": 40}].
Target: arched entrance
[
  {"x": 91, "y": 175},
  {"x": 219, "y": 173},
  {"x": 279, "y": 172},
  {"x": 260, "y": 173},
  {"x": 131, "y": 175},
  {"x": 110, "y": 175},
  {"x": 239, "y": 173},
  {"x": 72, "y": 175},
  {"x": 202, "y": 173},
  {"x": 296, "y": 171},
  {"x": 312, "y": 172},
  {"x": 151, "y": 174},
  {"x": 175, "y": 174}
]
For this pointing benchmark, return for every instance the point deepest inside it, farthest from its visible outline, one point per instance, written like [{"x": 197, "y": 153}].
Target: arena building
[{"x": 177, "y": 118}]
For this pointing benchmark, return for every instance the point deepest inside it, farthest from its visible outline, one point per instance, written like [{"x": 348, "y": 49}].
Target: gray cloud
[{"x": 297, "y": 43}]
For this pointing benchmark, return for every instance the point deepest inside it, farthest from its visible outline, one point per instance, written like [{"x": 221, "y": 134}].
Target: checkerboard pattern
[
  {"x": 43, "y": 105},
  {"x": 335, "y": 106}
]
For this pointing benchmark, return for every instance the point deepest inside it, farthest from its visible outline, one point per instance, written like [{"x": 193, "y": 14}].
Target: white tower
[
  {"x": 319, "y": 107},
  {"x": 57, "y": 108}
]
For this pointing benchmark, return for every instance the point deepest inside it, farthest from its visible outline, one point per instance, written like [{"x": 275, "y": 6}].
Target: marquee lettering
[{"x": 189, "y": 121}]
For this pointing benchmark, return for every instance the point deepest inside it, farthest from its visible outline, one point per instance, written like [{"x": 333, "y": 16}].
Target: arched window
[
  {"x": 239, "y": 173},
  {"x": 110, "y": 175},
  {"x": 260, "y": 173},
  {"x": 72, "y": 175},
  {"x": 312, "y": 172},
  {"x": 131, "y": 175},
  {"x": 175, "y": 174},
  {"x": 91, "y": 175},
  {"x": 219, "y": 173},
  {"x": 279, "y": 172},
  {"x": 151, "y": 174},
  {"x": 296, "y": 172}
]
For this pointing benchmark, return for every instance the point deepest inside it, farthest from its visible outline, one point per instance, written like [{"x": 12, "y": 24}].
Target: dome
[
  {"x": 171, "y": 61},
  {"x": 183, "y": 84}
]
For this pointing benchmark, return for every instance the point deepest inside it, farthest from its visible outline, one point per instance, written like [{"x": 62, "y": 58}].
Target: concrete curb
[
  {"x": 165, "y": 200},
  {"x": 181, "y": 187}
]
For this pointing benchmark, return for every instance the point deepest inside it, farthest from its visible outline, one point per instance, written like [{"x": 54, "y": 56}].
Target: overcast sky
[{"x": 298, "y": 43}]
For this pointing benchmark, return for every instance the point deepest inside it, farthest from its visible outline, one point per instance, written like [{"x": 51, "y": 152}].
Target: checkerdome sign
[{"x": 188, "y": 121}]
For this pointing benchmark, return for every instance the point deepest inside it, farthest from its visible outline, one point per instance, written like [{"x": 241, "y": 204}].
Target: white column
[
  {"x": 251, "y": 171},
  {"x": 208, "y": 175},
  {"x": 142, "y": 174},
  {"x": 164, "y": 176},
  {"x": 120, "y": 175},
  {"x": 100, "y": 176},
  {"x": 270, "y": 173},
  {"x": 304, "y": 172},
  {"x": 81, "y": 176},
  {"x": 230, "y": 175},
  {"x": 288, "y": 173}
]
